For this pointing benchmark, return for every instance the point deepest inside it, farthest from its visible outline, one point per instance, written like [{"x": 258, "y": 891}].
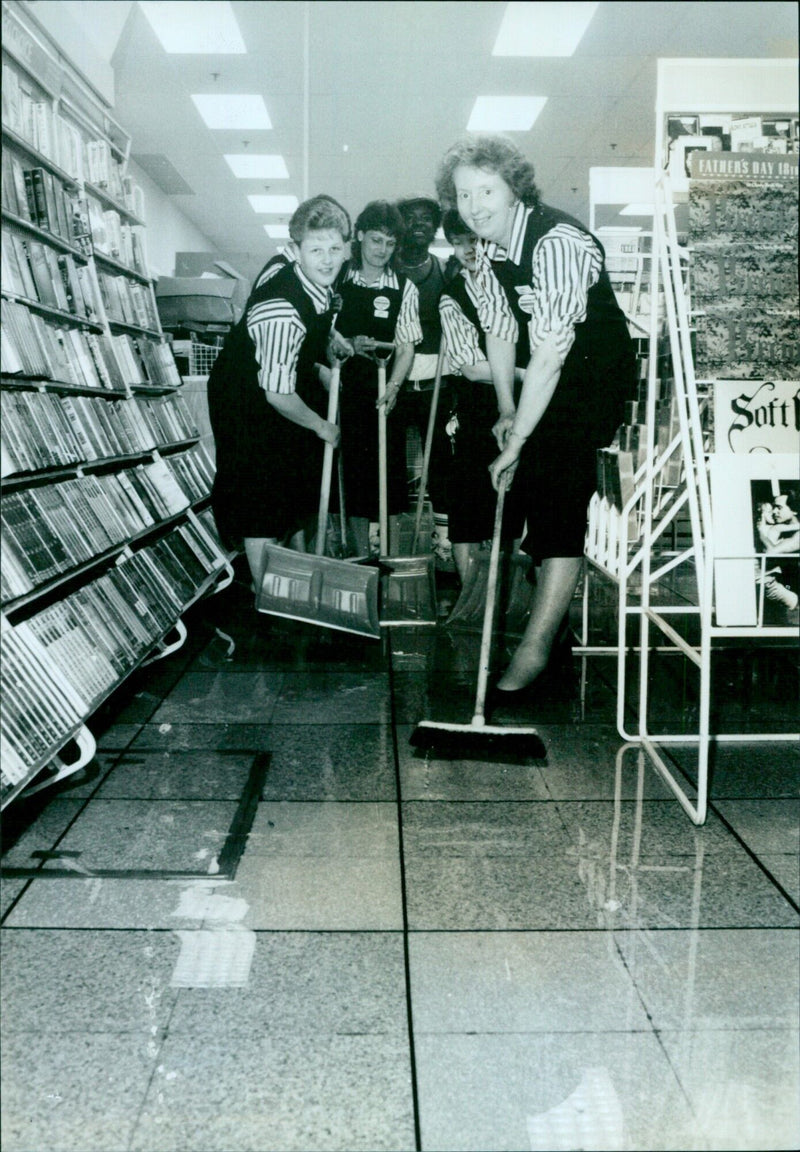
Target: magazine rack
[{"x": 669, "y": 590}]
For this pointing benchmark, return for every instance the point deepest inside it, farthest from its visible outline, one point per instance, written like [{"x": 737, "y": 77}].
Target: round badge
[{"x": 381, "y": 306}]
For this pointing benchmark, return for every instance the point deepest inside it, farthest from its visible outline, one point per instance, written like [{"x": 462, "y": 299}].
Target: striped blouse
[
  {"x": 566, "y": 264},
  {"x": 285, "y": 255},
  {"x": 408, "y": 329},
  {"x": 461, "y": 341},
  {"x": 278, "y": 332}
]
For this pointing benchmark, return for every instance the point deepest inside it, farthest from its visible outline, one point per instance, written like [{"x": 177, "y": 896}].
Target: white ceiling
[{"x": 392, "y": 85}]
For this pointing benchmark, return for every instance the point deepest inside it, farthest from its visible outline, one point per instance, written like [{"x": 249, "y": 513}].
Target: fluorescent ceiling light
[
  {"x": 277, "y": 231},
  {"x": 239, "y": 112},
  {"x": 543, "y": 29},
  {"x": 207, "y": 26},
  {"x": 444, "y": 253},
  {"x": 505, "y": 113},
  {"x": 276, "y": 204},
  {"x": 252, "y": 166},
  {"x": 637, "y": 210}
]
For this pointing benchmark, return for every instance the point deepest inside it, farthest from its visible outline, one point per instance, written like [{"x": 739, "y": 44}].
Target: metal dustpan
[
  {"x": 316, "y": 588},
  {"x": 408, "y": 594},
  {"x": 320, "y": 590}
]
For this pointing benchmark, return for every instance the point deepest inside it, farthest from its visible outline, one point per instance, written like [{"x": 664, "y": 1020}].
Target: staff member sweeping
[
  {"x": 377, "y": 304},
  {"x": 266, "y": 399},
  {"x": 471, "y": 499},
  {"x": 546, "y": 304},
  {"x": 421, "y": 217}
]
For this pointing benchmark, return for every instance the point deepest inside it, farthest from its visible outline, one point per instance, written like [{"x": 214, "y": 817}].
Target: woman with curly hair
[{"x": 546, "y": 305}]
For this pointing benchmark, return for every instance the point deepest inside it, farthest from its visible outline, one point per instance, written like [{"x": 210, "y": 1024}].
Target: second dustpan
[
  {"x": 315, "y": 588},
  {"x": 409, "y": 582}
]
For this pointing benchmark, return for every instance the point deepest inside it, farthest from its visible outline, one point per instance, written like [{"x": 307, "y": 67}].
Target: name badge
[
  {"x": 527, "y": 296},
  {"x": 381, "y": 305}
]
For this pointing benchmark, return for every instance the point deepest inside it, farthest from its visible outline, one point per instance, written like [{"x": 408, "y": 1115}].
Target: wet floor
[{"x": 264, "y": 922}]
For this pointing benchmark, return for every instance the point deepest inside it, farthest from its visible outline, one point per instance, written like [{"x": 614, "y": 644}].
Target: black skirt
[
  {"x": 269, "y": 469},
  {"x": 471, "y": 498},
  {"x": 557, "y": 472},
  {"x": 358, "y": 418}
]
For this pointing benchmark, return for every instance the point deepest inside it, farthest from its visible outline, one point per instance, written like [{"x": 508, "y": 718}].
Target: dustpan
[
  {"x": 408, "y": 592},
  {"x": 315, "y": 588}
]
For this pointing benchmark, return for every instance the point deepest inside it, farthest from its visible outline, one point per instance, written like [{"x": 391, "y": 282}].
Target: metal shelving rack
[
  {"x": 669, "y": 591},
  {"x": 29, "y": 50}
]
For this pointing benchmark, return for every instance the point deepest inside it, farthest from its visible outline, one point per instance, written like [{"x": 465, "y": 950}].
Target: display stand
[
  {"x": 108, "y": 537},
  {"x": 670, "y": 591}
]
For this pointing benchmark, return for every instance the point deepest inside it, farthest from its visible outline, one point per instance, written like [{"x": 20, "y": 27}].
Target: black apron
[
  {"x": 369, "y": 311},
  {"x": 557, "y": 471},
  {"x": 268, "y": 468},
  {"x": 471, "y": 499}
]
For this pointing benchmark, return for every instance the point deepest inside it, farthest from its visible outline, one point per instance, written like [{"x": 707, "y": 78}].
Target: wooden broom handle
[
  {"x": 426, "y": 456},
  {"x": 488, "y": 612},
  {"x": 327, "y": 462},
  {"x": 383, "y": 494}
]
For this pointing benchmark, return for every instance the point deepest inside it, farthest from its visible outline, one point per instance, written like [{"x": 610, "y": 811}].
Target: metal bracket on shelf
[
  {"x": 225, "y": 578},
  {"x": 86, "y": 749},
  {"x": 167, "y": 649}
]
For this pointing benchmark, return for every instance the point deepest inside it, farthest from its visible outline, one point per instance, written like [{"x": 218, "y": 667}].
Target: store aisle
[{"x": 269, "y": 926}]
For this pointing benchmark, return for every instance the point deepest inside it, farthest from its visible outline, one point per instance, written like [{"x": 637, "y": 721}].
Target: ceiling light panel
[
  {"x": 543, "y": 29},
  {"x": 233, "y": 111},
  {"x": 505, "y": 113},
  {"x": 255, "y": 166},
  {"x": 195, "y": 26},
  {"x": 277, "y": 231},
  {"x": 279, "y": 205}
]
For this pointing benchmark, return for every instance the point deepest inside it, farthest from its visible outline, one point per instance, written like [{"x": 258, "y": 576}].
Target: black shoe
[{"x": 514, "y": 698}]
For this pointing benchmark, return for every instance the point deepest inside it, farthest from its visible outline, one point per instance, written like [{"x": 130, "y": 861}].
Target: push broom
[{"x": 479, "y": 740}]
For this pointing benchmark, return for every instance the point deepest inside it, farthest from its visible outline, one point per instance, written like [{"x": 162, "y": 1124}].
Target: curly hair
[
  {"x": 492, "y": 153},
  {"x": 319, "y": 214},
  {"x": 377, "y": 216}
]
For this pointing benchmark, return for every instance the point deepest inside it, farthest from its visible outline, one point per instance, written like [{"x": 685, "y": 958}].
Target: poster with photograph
[
  {"x": 756, "y": 415},
  {"x": 755, "y": 506},
  {"x": 682, "y": 126},
  {"x": 680, "y": 152}
]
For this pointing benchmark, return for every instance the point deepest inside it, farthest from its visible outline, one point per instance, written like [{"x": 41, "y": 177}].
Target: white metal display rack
[{"x": 670, "y": 590}]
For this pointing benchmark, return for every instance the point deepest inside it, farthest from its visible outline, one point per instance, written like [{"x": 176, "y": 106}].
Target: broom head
[{"x": 494, "y": 743}]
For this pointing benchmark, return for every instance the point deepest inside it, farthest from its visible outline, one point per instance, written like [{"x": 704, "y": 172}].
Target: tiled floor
[{"x": 406, "y": 952}]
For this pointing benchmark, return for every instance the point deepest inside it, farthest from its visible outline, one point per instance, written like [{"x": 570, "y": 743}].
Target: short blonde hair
[{"x": 319, "y": 214}]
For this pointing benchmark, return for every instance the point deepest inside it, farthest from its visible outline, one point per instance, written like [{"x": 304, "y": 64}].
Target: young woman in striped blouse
[
  {"x": 546, "y": 305},
  {"x": 267, "y": 399}
]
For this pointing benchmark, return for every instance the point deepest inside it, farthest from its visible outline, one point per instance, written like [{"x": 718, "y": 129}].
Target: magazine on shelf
[
  {"x": 113, "y": 620},
  {"x": 102, "y": 626},
  {"x": 681, "y": 151},
  {"x": 82, "y": 662},
  {"x": 100, "y": 514},
  {"x": 755, "y": 502},
  {"x": 756, "y": 415},
  {"x": 115, "y": 595}
]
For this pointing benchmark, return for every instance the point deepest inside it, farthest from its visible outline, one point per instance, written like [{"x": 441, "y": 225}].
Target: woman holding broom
[
  {"x": 267, "y": 400},
  {"x": 378, "y": 304},
  {"x": 546, "y": 305}
]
